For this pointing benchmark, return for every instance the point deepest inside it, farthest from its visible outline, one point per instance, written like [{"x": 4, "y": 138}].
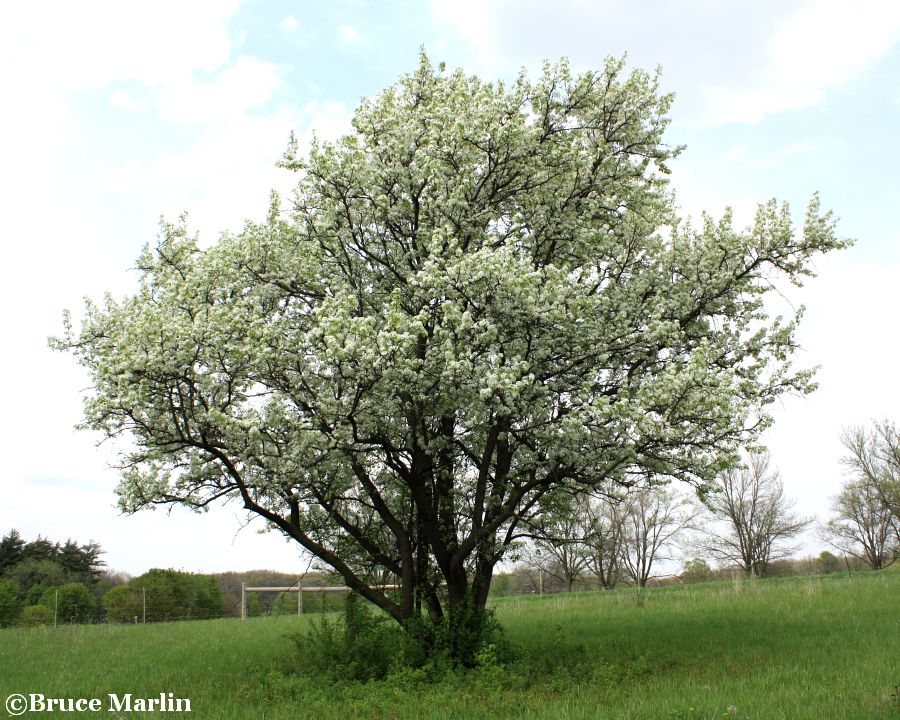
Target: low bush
[
  {"x": 36, "y": 616},
  {"x": 363, "y": 644}
]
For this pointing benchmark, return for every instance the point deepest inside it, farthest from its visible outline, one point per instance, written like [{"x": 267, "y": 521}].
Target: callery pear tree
[{"x": 480, "y": 298}]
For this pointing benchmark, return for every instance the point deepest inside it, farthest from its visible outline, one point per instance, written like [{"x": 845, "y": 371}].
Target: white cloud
[
  {"x": 91, "y": 44},
  {"x": 225, "y": 177},
  {"x": 696, "y": 193},
  {"x": 727, "y": 62},
  {"x": 819, "y": 47},
  {"x": 220, "y": 181},
  {"x": 348, "y": 34},
  {"x": 472, "y": 20},
  {"x": 53, "y": 259},
  {"x": 87, "y": 46},
  {"x": 218, "y": 541},
  {"x": 779, "y": 156},
  {"x": 847, "y": 328},
  {"x": 59, "y": 250},
  {"x": 771, "y": 159},
  {"x": 123, "y": 100},
  {"x": 231, "y": 93},
  {"x": 289, "y": 23}
]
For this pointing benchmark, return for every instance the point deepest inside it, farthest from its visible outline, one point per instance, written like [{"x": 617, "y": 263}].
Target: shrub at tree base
[
  {"x": 360, "y": 645},
  {"x": 364, "y": 645}
]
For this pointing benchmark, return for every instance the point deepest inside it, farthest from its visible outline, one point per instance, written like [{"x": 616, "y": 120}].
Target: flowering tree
[{"x": 482, "y": 296}]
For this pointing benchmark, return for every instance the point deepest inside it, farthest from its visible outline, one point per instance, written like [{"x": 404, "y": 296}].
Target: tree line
[
  {"x": 41, "y": 578},
  {"x": 744, "y": 522},
  {"x": 47, "y": 583}
]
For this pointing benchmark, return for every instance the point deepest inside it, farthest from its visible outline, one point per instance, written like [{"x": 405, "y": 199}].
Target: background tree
[
  {"x": 760, "y": 526},
  {"x": 35, "y": 616},
  {"x": 873, "y": 456},
  {"x": 557, "y": 541},
  {"x": 81, "y": 562},
  {"x": 33, "y": 572},
  {"x": 697, "y": 570},
  {"x": 863, "y": 525},
  {"x": 9, "y": 602},
  {"x": 12, "y": 547},
  {"x": 828, "y": 563},
  {"x": 169, "y": 595},
  {"x": 41, "y": 564},
  {"x": 604, "y": 540},
  {"x": 108, "y": 580},
  {"x": 483, "y": 296},
  {"x": 41, "y": 549},
  {"x": 72, "y": 603},
  {"x": 123, "y": 603},
  {"x": 652, "y": 520}
]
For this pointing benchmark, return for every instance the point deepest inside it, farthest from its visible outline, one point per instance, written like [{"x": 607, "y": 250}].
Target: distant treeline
[
  {"x": 43, "y": 582},
  {"x": 525, "y": 579}
]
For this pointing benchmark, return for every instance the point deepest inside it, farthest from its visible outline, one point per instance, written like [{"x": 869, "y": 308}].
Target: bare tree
[
  {"x": 652, "y": 518},
  {"x": 605, "y": 540},
  {"x": 556, "y": 545},
  {"x": 863, "y": 525},
  {"x": 873, "y": 456},
  {"x": 759, "y": 524}
]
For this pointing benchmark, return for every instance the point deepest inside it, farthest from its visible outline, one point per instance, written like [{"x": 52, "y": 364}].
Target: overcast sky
[{"x": 115, "y": 113}]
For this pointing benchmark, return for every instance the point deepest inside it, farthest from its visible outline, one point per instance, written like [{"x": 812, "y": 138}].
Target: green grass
[{"x": 822, "y": 647}]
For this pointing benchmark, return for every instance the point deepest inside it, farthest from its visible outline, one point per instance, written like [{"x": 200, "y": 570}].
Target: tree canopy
[
  {"x": 164, "y": 595},
  {"x": 43, "y": 561},
  {"x": 479, "y": 298}
]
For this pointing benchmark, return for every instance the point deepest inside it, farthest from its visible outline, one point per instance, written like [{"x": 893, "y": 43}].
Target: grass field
[{"x": 816, "y": 648}]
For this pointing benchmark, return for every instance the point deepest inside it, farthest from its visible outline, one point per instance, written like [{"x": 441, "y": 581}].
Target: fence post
[
  {"x": 299, "y": 600},
  {"x": 243, "y": 601}
]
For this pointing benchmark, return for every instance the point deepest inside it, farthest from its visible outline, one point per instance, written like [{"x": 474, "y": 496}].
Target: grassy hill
[{"x": 820, "y": 647}]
